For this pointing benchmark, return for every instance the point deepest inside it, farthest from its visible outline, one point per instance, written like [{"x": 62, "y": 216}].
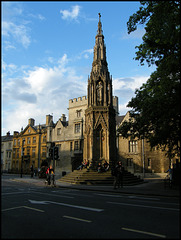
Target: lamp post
[{"x": 22, "y": 153}]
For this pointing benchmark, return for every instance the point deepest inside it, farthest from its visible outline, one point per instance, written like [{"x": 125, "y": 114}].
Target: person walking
[{"x": 118, "y": 175}]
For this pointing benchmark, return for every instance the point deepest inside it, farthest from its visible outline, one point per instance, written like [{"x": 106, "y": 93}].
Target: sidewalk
[{"x": 151, "y": 186}]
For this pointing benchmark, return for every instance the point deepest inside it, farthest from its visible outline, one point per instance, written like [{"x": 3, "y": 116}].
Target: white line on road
[
  {"x": 144, "y": 198},
  {"x": 35, "y": 209},
  {"x": 52, "y": 194},
  {"x": 7, "y": 209},
  {"x": 76, "y": 206},
  {"x": 143, "y": 232},
  {"x": 13, "y": 193},
  {"x": 108, "y": 195},
  {"x": 67, "y": 205},
  {"x": 78, "y": 219},
  {"x": 136, "y": 205}
]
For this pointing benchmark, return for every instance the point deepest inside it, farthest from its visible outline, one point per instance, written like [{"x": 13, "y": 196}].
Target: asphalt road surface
[{"x": 29, "y": 211}]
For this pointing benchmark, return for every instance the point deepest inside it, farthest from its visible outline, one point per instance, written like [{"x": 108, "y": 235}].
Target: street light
[{"x": 22, "y": 153}]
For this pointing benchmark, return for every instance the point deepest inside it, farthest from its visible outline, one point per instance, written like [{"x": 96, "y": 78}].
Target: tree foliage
[{"x": 156, "y": 106}]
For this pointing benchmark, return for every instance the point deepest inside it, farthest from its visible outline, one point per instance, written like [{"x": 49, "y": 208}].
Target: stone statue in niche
[{"x": 99, "y": 93}]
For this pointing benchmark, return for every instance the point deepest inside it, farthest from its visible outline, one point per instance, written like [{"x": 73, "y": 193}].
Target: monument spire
[
  {"x": 99, "y": 60},
  {"x": 99, "y": 25},
  {"x": 100, "y": 124}
]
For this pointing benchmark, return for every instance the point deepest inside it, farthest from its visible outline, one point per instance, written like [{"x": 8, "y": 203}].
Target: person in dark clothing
[
  {"x": 50, "y": 174},
  {"x": 105, "y": 166},
  {"x": 32, "y": 170},
  {"x": 99, "y": 167},
  {"x": 118, "y": 175}
]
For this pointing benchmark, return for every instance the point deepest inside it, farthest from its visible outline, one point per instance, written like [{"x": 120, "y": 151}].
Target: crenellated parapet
[{"x": 76, "y": 102}]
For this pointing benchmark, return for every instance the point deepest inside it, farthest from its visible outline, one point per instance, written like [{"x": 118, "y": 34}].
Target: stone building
[
  {"x": 6, "y": 152},
  {"x": 68, "y": 135},
  {"x": 31, "y": 143},
  {"x": 138, "y": 157}
]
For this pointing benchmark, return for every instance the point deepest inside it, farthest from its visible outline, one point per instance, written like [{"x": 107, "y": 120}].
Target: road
[{"x": 29, "y": 211}]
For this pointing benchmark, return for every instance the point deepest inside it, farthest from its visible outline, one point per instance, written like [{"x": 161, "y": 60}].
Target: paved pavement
[{"x": 150, "y": 186}]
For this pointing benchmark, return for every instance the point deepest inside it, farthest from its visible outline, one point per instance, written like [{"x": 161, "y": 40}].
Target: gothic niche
[
  {"x": 100, "y": 135},
  {"x": 99, "y": 91}
]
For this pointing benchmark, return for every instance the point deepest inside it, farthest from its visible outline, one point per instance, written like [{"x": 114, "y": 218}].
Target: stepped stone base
[{"x": 90, "y": 177}]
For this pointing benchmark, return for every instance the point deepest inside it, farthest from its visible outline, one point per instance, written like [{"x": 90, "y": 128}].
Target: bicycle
[{"x": 50, "y": 181}]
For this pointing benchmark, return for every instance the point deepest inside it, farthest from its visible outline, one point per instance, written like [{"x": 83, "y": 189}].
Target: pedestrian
[
  {"x": 86, "y": 163},
  {"x": 81, "y": 166},
  {"x": 105, "y": 166},
  {"x": 32, "y": 170},
  {"x": 118, "y": 172},
  {"x": 170, "y": 172},
  {"x": 99, "y": 168},
  {"x": 48, "y": 175}
]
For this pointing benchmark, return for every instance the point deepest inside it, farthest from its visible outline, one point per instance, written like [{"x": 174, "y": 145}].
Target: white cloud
[
  {"x": 123, "y": 109},
  {"x": 129, "y": 83},
  {"x": 71, "y": 15},
  {"x": 125, "y": 88},
  {"x": 40, "y": 91},
  {"x": 15, "y": 28},
  {"x": 85, "y": 54},
  {"x": 37, "y": 16},
  {"x": 19, "y": 33}
]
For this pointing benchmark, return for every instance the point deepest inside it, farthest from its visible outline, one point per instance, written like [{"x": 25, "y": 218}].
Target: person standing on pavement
[
  {"x": 32, "y": 170},
  {"x": 118, "y": 175},
  {"x": 51, "y": 175}
]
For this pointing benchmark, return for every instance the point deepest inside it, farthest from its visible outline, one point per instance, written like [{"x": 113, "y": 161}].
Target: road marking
[
  {"x": 14, "y": 193},
  {"x": 78, "y": 219},
  {"x": 35, "y": 209},
  {"x": 108, "y": 195},
  {"x": 37, "y": 202},
  {"x": 144, "y": 198},
  {"x": 76, "y": 206},
  {"x": 67, "y": 205},
  {"x": 52, "y": 194},
  {"x": 143, "y": 232},
  {"x": 136, "y": 205},
  {"x": 7, "y": 209}
]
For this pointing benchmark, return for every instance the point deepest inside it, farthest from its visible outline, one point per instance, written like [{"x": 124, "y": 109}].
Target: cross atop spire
[
  {"x": 99, "y": 17},
  {"x": 99, "y": 25}
]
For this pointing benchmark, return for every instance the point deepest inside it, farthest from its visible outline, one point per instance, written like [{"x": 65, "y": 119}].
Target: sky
[{"x": 47, "y": 55}]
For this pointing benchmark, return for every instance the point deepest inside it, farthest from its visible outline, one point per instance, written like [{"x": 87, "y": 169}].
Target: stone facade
[
  {"x": 138, "y": 157},
  {"x": 32, "y": 143},
  {"x": 68, "y": 135},
  {"x": 6, "y": 152}
]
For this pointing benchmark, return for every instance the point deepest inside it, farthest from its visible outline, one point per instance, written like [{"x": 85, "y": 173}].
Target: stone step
[
  {"x": 90, "y": 177},
  {"x": 97, "y": 182}
]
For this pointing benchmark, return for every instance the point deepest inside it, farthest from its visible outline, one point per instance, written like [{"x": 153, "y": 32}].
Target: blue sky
[{"x": 47, "y": 54}]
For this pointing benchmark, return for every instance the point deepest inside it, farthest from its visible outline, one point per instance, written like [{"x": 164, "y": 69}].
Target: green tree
[{"x": 156, "y": 106}]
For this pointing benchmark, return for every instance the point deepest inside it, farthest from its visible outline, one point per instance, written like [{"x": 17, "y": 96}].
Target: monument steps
[{"x": 90, "y": 177}]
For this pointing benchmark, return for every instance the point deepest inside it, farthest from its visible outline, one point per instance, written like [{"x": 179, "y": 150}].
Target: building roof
[
  {"x": 6, "y": 138},
  {"x": 119, "y": 119}
]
